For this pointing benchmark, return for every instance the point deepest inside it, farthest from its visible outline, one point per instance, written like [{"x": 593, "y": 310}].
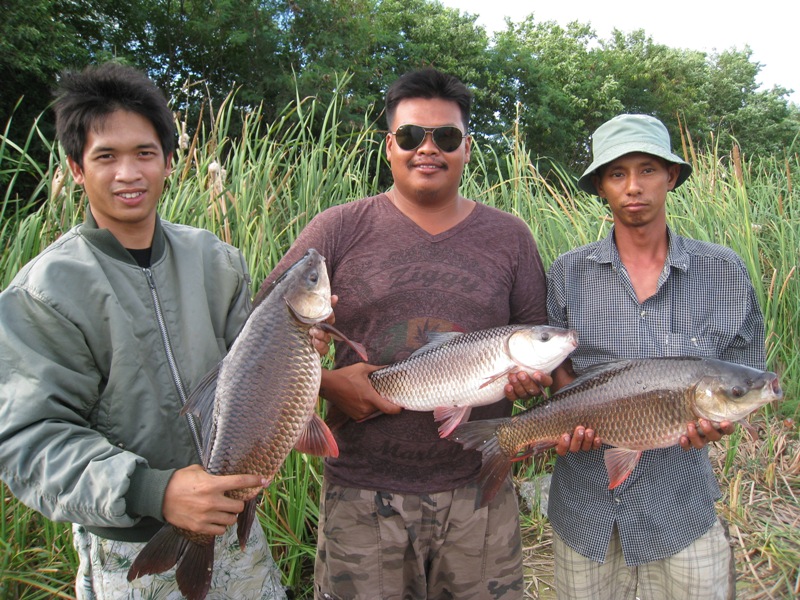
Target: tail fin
[
  {"x": 168, "y": 548},
  {"x": 482, "y": 436},
  {"x": 160, "y": 554},
  {"x": 195, "y": 571}
]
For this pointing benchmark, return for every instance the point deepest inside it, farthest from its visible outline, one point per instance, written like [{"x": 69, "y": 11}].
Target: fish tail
[
  {"x": 195, "y": 570},
  {"x": 168, "y": 548},
  {"x": 160, "y": 554},
  {"x": 482, "y": 436},
  {"x": 245, "y": 522}
]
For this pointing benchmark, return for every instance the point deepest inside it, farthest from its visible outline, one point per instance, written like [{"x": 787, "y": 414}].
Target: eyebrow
[{"x": 101, "y": 149}]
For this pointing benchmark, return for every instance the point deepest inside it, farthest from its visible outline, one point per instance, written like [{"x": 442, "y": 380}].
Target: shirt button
[
  {"x": 617, "y": 500},
  {"x": 643, "y": 313}
]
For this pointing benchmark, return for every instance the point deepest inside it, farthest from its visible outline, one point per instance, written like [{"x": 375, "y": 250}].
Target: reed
[{"x": 258, "y": 186}]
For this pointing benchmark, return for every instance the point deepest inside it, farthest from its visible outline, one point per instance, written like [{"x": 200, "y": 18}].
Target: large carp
[
  {"x": 456, "y": 371},
  {"x": 633, "y": 405},
  {"x": 255, "y": 407}
]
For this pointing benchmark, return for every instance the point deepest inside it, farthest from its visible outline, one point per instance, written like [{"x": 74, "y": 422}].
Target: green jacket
[{"x": 98, "y": 355}]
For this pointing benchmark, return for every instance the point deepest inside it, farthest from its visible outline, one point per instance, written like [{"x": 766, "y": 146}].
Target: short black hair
[
  {"x": 428, "y": 83},
  {"x": 86, "y": 98}
]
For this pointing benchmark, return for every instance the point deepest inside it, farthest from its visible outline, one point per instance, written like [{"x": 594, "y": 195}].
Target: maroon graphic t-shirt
[{"x": 396, "y": 283}]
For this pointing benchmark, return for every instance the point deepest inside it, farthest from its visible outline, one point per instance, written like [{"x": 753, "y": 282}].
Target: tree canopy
[{"x": 553, "y": 84}]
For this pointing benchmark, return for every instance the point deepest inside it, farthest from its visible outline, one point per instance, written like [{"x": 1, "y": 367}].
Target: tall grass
[{"x": 258, "y": 186}]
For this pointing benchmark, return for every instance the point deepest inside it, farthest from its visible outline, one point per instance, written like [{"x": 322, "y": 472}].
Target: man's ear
[
  {"x": 77, "y": 171},
  {"x": 674, "y": 170}
]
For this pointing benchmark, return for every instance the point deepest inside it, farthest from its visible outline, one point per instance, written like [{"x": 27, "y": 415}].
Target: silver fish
[{"x": 456, "y": 371}]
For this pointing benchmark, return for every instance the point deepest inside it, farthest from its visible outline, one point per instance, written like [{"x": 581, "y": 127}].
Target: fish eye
[
  {"x": 737, "y": 391},
  {"x": 545, "y": 337},
  {"x": 314, "y": 277}
]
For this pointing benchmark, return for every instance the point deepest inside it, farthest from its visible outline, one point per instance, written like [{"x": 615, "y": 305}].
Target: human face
[
  {"x": 123, "y": 175},
  {"x": 635, "y": 186},
  {"x": 426, "y": 174}
]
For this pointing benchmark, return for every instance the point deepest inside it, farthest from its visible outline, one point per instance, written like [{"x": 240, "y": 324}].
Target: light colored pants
[
  {"x": 238, "y": 575},
  {"x": 380, "y": 545},
  {"x": 703, "y": 571}
]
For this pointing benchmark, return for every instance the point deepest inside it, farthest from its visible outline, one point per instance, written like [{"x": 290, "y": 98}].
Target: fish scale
[{"x": 632, "y": 405}]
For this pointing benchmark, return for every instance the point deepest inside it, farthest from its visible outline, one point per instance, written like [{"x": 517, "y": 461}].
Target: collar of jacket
[{"x": 105, "y": 241}]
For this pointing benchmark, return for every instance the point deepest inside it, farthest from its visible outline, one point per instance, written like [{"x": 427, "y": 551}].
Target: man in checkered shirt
[{"x": 645, "y": 291}]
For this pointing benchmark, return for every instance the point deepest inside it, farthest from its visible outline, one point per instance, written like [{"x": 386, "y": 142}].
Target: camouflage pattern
[
  {"x": 408, "y": 546},
  {"x": 238, "y": 575}
]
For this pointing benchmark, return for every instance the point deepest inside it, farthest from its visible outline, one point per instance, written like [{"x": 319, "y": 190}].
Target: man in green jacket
[{"x": 102, "y": 337}]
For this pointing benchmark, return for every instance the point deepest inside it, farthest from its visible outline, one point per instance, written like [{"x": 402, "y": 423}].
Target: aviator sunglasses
[{"x": 411, "y": 137}]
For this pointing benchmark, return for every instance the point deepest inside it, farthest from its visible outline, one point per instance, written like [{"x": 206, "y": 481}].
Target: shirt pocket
[{"x": 682, "y": 344}]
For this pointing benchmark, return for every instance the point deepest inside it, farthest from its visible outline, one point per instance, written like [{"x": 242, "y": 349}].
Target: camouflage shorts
[
  {"x": 238, "y": 575},
  {"x": 407, "y": 546}
]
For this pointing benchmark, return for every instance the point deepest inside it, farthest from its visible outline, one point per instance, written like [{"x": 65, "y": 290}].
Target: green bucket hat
[{"x": 630, "y": 133}]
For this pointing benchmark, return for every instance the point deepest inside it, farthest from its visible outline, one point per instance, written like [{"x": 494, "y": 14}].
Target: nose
[
  {"x": 634, "y": 185},
  {"x": 428, "y": 145},
  {"x": 127, "y": 169}
]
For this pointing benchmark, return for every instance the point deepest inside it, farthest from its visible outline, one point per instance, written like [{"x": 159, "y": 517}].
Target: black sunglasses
[{"x": 411, "y": 137}]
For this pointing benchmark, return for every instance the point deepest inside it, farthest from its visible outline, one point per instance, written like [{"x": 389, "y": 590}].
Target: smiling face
[
  {"x": 635, "y": 186},
  {"x": 123, "y": 174},
  {"x": 426, "y": 174}
]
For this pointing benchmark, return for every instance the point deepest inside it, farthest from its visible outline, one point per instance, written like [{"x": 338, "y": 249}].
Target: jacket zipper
[{"x": 173, "y": 365}]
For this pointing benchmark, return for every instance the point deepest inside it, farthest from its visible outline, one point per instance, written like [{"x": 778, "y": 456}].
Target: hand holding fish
[
  {"x": 350, "y": 390},
  {"x": 700, "y": 434},
  {"x": 195, "y": 501},
  {"x": 522, "y": 386},
  {"x": 580, "y": 440}
]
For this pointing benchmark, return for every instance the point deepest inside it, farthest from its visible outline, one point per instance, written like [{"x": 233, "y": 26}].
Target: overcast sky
[{"x": 769, "y": 27}]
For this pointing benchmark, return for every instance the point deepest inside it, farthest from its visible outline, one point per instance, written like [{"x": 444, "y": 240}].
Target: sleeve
[
  {"x": 528, "y": 295},
  {"x": 747, "y": 346},
  {"x": 240, "y": 304},
  {"x": 50, "y": 458}
]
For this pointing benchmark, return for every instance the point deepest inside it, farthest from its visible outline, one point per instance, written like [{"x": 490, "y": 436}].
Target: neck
[{"x": 434, "y": 215}]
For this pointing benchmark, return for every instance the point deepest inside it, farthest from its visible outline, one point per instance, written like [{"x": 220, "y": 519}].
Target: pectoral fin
[
  {"x": 493, "y": 378},
  {"x": 619, "y": 464},
  {"x": 451, "y": 417},
  {"x": 317, "y": 439}
]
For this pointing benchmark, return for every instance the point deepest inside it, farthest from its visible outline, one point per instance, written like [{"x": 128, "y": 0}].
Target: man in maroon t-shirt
[{"x": 398, "y": 517}]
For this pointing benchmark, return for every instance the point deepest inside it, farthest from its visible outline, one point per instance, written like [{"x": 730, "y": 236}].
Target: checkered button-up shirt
[{"x": 704, "y": 305}]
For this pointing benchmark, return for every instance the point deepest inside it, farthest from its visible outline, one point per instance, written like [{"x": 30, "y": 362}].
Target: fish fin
[
  {"x": 493, "y": 378},
  {"x": 452, "y": 416},
  {"x": 201, "y": 404},
  {"x": 495, "y": 465},
  {"x": 245, "y": 521},
  {"x": 534, "y": 448},
  {"x": 357, "y": 348},
  {"x": 436, "y": 339},
  {"x": 317, "y": 439},
  {"x": 160, "y": 554},
  {"x": 620, "y": 463},
  {"x": 195, "y": 570},
  {"x": 752, "y": 432}
]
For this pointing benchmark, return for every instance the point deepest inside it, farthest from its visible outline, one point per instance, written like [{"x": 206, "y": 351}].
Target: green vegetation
[
  {"x": 555, "y": 84},
  {"x": 258, "y": 182}
]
